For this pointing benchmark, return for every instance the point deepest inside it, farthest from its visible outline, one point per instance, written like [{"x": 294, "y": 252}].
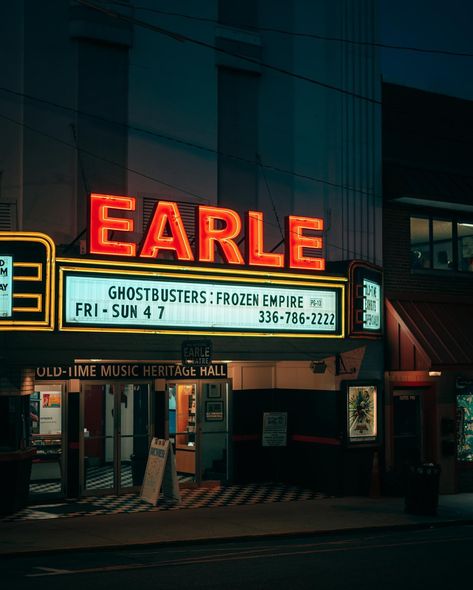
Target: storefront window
[{"x": 46, "y": 415}]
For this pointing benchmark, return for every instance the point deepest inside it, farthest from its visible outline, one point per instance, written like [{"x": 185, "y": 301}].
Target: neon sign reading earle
[{"x": 217, "y": 229}]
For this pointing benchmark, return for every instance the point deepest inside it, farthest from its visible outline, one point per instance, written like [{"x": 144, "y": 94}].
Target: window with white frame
[{"x": 441, "y": 244}]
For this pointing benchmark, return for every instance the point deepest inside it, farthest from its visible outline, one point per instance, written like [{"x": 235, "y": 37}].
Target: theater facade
[{"x": 256, "y": 365}]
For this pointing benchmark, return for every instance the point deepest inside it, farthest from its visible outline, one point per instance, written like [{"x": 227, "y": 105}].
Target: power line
[
  {"x": 270, "y": 196},
  {"x": 180, "y": 37},
  {"x": 407, "y": 48},
  {"x": 103, "y": 159},
  {"x": 189, "y": 144}
]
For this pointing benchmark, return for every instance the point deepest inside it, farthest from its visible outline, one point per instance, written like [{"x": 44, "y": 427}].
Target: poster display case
[{"x": 361, "y": 412}]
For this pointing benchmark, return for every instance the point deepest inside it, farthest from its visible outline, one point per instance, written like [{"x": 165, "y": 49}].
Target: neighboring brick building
[{"x": 428, "y": 280}]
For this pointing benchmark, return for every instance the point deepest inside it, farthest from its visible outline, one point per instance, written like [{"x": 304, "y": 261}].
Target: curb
[{"x": 239, "y": 538}]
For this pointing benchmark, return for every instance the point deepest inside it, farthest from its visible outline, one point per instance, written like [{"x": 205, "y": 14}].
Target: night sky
[{"x": 433, "y": 24}]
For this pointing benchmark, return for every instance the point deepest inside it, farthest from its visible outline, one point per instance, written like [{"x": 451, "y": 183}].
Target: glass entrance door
[
  {"x": 116, "y": 434},
  {"x": 199, "y": 430},
  {"x": 213, "y": 430}
]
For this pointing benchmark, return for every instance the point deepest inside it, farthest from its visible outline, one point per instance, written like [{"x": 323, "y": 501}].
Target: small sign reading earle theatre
[
  {"x": 131, "y": 371},
  {"x": 196, "y": 352}
]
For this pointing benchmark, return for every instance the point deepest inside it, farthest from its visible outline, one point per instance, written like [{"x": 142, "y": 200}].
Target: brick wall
[{"x": 399, "y": 279}]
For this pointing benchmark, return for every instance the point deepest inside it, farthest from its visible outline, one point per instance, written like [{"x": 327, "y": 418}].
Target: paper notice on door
[{"x": 274, "y": 429}]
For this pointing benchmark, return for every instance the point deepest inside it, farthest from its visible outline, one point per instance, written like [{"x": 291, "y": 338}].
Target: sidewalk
[{"x": 233, "y": 522}]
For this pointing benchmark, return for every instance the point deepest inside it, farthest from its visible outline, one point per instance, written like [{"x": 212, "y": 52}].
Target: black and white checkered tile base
[
  {"x": 203, "y": 497},
  {"x": 97, "y": 478}
]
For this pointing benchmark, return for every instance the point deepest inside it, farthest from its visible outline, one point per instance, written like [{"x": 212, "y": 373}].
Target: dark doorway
[{"x": 407, "y": 430}]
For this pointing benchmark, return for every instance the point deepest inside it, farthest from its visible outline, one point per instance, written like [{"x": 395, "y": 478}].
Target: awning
[
  {"x": 442, "y": 330},
  {"x": 49, "y": 348}
]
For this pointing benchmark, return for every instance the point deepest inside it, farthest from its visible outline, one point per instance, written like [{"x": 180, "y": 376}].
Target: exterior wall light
[{"x": 318, "y": 366}]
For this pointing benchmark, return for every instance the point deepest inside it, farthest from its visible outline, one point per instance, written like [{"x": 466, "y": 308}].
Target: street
[{"x": 401, "y": 559}]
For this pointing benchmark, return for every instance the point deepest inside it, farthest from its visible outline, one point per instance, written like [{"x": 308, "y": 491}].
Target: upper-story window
[{"x": 441, "y": 244}]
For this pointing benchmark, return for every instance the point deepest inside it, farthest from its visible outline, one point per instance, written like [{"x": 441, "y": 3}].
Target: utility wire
[
  {"x": 270, "y": 195},
  {"x": 408, "y": 48},
  {"x": 84, "y": 182},
  {"x": 103, "y": 159},
  {"x": 188, "y": 143},
  {"x": 262, "y": 165},
  {"x": 257, "y": 62}
]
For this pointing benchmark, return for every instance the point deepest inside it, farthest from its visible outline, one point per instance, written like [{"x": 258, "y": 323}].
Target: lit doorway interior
[
  {"x": 198, "y": 424},
  {"x": 116, "y": 433}
]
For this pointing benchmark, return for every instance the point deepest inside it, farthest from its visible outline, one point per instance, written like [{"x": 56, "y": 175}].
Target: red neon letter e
[
  {"x": 210, "y": 235},
  {"x": 254, "y": 243},
  {"x": 101, "y": 223},
  {"x": 296, "y": 242}
]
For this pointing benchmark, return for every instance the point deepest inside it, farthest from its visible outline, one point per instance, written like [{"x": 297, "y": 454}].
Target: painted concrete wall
[{"x": 142, "y": 108}]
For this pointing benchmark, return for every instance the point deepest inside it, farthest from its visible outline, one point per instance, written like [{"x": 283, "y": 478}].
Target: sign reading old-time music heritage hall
[{"x": 93, "y": 371}]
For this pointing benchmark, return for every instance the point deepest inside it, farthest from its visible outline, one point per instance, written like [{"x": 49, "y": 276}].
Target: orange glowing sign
[{"x": 218, "y": 232}]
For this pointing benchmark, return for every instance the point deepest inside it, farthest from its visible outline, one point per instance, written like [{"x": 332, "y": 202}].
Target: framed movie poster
[{"x": 362, "y": 408}]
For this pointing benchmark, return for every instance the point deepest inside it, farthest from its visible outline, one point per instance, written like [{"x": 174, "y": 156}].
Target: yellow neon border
[
  {"x": 275, "y": 281},
  {"x": 37, "y": 296},
  {"x": 48, "y": 323},
  {"x": 197, "y": 269},
  {"x": 37, "y": 265}
]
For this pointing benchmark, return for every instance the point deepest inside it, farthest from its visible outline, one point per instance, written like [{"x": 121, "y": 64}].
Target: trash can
[{"x": 422, "y": 489}]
